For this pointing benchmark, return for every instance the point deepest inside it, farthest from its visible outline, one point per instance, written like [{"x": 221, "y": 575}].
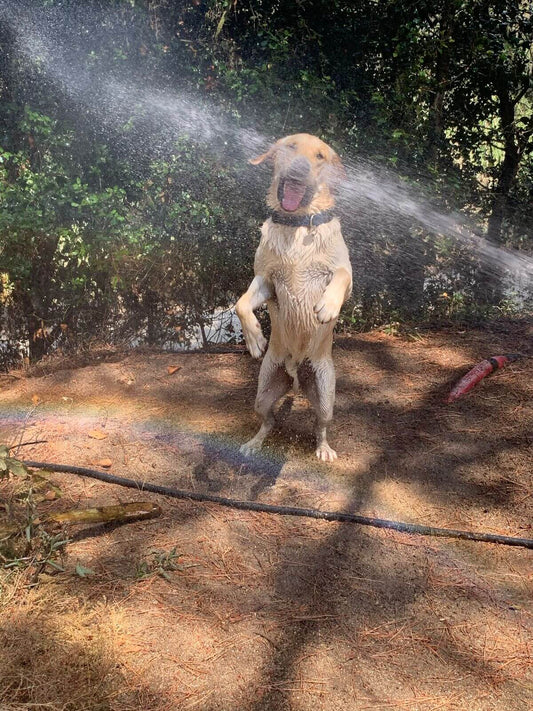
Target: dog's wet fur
[{"x": 304, "y": 275}]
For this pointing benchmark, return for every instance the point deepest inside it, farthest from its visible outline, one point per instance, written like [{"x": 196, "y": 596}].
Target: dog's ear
[
  {"x": 269, "y": 155},
  {"x": 260, "y": 159}
]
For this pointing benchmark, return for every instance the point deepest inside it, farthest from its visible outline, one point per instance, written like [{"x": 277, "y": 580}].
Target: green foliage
[
  {"x": 141, "y": 254},
  {"x": 99, "y": 238},
  {"x": 10, "y": 465},
  {"x": 83, "y": 572},
  {"x": 25, "y": 546},
  {"x": 160, "y": 563}
]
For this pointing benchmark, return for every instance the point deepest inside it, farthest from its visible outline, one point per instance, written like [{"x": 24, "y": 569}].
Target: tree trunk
[
  {"x": 442, "y": 71},
  {"x": 38, "y": 306},
  {"x": 11, "y": 109},
  {"x": 509, "y": 167}
]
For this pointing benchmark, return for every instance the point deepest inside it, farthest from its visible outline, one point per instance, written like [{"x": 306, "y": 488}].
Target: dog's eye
[
  {"x": 320, "y": 156},
  {"x": 292, "y": 146}
]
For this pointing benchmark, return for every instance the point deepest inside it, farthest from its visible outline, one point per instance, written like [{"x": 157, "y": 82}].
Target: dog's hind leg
[
  {"x": 274, "y": 382},
  {"x": 317, "y": 379}
]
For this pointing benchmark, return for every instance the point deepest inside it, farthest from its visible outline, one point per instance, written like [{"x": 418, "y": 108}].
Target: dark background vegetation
[{"x": 116, "y": 225}]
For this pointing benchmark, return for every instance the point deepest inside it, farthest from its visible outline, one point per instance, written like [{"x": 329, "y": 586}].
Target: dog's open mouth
[{"x": 293, "y": 194}]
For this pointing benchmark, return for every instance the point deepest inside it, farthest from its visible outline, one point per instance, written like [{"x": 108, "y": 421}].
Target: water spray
[{"x": 118, "y": 99}]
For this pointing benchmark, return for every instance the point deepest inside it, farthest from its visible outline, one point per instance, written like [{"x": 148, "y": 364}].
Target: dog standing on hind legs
[{"x": 303, "y": 272}]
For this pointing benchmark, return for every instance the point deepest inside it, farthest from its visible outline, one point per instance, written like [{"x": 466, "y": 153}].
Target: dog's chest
[
  {"x": 299, "y": 281},
  {"x": 299, "y": 265}
]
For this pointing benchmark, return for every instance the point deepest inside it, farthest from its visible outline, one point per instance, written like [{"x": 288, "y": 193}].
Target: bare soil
[{"x": 269, "y": 612}]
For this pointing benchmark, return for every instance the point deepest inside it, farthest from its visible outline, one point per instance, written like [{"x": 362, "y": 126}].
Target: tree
[{"x": 118, "y": 221}]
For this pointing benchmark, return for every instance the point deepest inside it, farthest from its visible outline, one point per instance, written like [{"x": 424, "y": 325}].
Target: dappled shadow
[
  {"x": 270, "y": 613},
  {"x": 58, "y": 656},
  {"x": 324, "y": 585},
  {"x": 406, "y": 457},
  {"x": 374, "y": 353},
  {"x": 381, "y": 629}
]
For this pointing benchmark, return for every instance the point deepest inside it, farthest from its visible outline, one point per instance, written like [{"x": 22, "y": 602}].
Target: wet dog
[{"x": 303, "y": 272}]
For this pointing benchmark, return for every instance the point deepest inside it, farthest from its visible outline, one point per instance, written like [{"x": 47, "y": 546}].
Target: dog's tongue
[{"x": 293, "y": 193}]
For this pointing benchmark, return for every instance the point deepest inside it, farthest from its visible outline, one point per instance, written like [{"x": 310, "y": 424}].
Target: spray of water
[
  {"x": 116, "y": 99},
  {"x": 390, "y": 193}
]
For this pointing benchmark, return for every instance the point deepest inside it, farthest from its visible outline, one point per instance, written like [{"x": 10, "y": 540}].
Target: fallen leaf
[
  {"x": 173, "y": 369},
  {"x": 50, "y": 495},
  {"x": 15, "y": 467},
  {"x": 82, "y": 571},
  {"x": 35, "y": 399},
  {"x": 97, "y": 434},
  {"x": 105, "y": 463}
]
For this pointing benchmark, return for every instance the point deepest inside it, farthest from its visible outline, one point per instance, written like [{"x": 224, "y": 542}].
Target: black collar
[{"x": 302, "y": 220}]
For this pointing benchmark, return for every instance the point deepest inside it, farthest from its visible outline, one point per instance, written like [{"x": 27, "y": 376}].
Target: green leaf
[
  {"x": 82, "y": 571},
  {"x": 56, "y": 565},
  {"x": 221, "y": 23},
  {"x": 15, "y": 467}
]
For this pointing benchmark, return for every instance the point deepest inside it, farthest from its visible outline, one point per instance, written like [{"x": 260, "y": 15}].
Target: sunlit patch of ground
[{"x": 265, "y": 612}]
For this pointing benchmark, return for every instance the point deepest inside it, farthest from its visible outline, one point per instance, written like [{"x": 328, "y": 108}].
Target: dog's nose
[{"x": 299, "y": 168}]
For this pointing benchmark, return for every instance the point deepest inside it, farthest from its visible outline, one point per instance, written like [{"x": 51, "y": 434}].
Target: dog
[{"x": 303, "y": 272}]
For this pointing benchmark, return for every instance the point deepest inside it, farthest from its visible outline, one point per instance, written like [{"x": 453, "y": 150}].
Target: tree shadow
[
  {"x": 341, "y": 582},
  {"x": 57, "y": 657},
  {"x": 325, "y": 582}
]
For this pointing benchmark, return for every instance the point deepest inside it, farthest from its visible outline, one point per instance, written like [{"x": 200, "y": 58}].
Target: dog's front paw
[
  {"x": 327, "y": 309},
  {"x": 255, "y": 341}
]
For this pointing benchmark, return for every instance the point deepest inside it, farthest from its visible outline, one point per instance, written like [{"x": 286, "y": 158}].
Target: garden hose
[{"x": 341, "y": 516}]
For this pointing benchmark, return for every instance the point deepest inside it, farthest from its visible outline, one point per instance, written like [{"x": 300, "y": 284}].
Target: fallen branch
[
  {"x": 26, "y": 444},
  {"x": 118, "y": 513}
]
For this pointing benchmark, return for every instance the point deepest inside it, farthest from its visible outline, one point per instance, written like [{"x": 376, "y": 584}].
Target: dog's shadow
[{"x": 224, "y": 468}]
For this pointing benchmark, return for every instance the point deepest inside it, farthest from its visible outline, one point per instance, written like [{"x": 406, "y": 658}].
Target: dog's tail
[{"x": 292, "y": 369}]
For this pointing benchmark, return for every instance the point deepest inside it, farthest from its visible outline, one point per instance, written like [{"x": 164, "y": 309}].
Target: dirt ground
[{"x": 267, "y": 612}]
